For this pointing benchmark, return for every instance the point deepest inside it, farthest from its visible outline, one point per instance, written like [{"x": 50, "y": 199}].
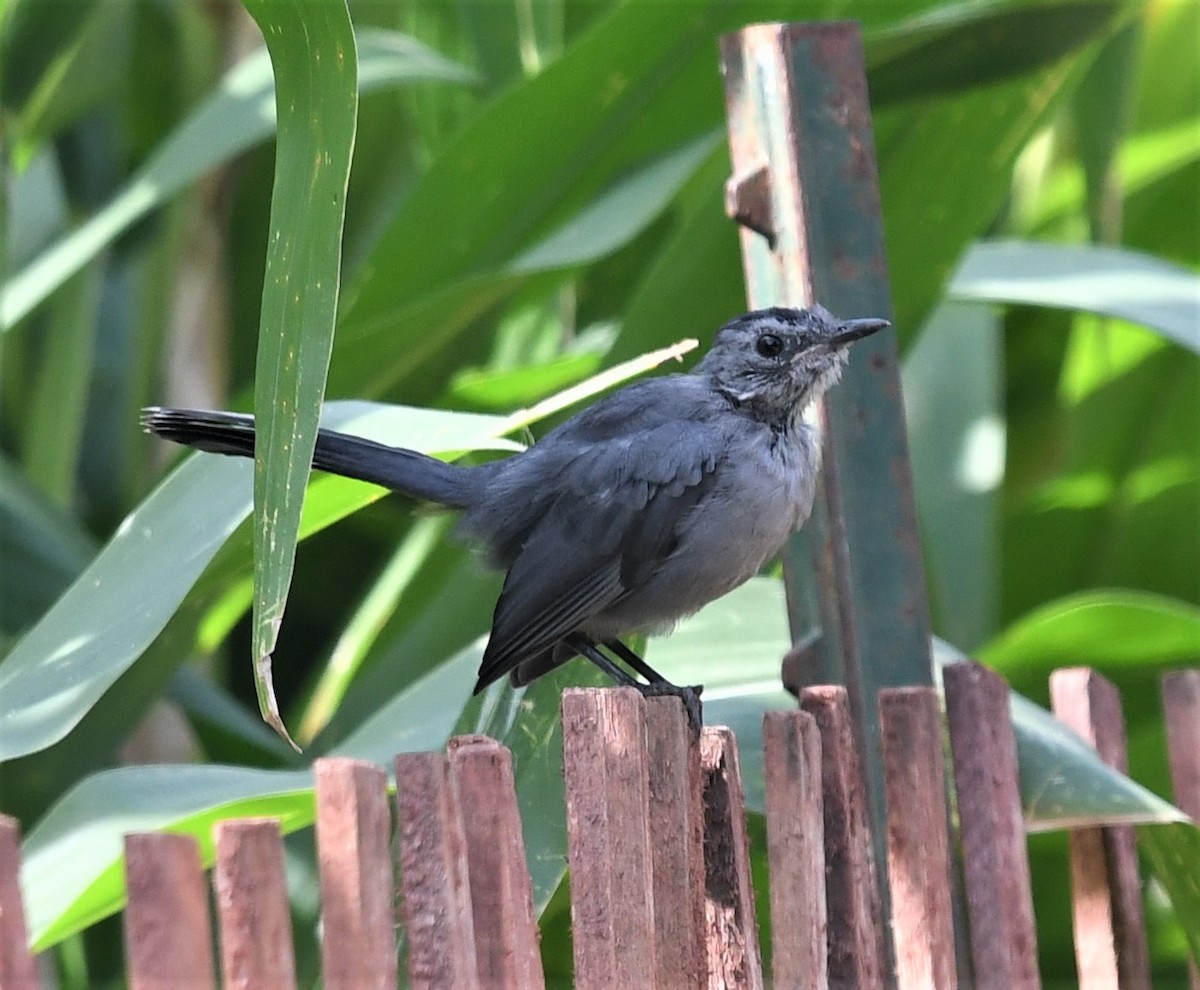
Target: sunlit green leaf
[
  {"x": 126, "y": 596},
  {"x": 239, "y": 115},
  {"x": 314, "y": 58},
  {"x": 1109, "y": 281}
]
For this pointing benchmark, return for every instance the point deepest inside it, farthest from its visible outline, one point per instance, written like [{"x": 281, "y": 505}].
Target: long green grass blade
[{"x": 315, "y": 62}]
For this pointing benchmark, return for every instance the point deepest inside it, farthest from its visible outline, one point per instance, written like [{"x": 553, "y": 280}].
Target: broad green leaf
[
  {"x": 42, "y": 547},
  {"x": 374, "y": 352},
  {"x": 952, "y": 397},
  {"x": 129, "y": 592},
  {"x": 1102, "y": 114},
  {"x": 86, "y": 826},
  {"x": 315, "y": 62},
  {"x": 519, "y": 386},
  {"x": 118, "y": 604},
  {"x": 59, "y": 63},
  {"x": 57, "y": 418},
  {"x": 364, "y": 626},
  {"x": 1116, "y": 627},
  {"x": 955, "y": 48},
  {"x": 1173, "y": 852},
  {"x": 1142, "y": 160},
  {"x": 1108, "y": 281},
  {"x": 238, "y": 116}
]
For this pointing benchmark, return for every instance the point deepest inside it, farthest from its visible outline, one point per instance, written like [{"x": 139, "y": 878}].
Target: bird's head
[{"x": 778, "y": 361}]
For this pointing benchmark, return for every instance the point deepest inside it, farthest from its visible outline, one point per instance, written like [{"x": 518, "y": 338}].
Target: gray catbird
[{"x": 636, "y": 512}]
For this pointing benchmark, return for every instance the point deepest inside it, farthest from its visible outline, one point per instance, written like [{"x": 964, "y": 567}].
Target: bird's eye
[{"x": 769, "y": 345}]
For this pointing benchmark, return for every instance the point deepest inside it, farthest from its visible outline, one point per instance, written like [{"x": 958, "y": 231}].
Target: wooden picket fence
[{"x": 661, "y": 893}]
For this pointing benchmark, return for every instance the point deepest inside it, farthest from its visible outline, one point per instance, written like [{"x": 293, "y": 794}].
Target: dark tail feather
[{"x": 404, "y": 471}]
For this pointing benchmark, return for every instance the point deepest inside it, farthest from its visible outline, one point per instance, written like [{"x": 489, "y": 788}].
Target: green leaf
[
  {"x": 118, "y": 604},
  {"x": 1108, "y": 281},
  {"x": 1117, "y": 627},
  {"x": 129, "y": 592},
  {"x": 952, "y": 397},
  {"x": 315, "y": 62},
  {"x": 239, "y": 115},
  {"x": 43, "y": 550},
  {"x": 1173, "y": 852},
  {"x": 86, "y": 826}
]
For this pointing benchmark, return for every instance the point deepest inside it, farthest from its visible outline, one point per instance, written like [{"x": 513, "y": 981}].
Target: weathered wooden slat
[
  {"x": 16, "y": 964},
  {"x": 354, "y": 832},
  {"x": 506, "y": 933},
  {"x": 918, "y": 847},
  {"x": 168, "y": 937},
  {"x": 1106, "y": 885},
  {"x": 995, "y": 858},
  {"x": 608, "y": 838},
  {"x": 734, "y": 962},
  {"x": 252, "y": 906},
  {"x": 796, "y": 849},
  {"x": 433, "y": 876},
  {"x": 1181, "y": 710},
  {"x": 676, "y": 844},
  {"x": 857, "y": 954}
]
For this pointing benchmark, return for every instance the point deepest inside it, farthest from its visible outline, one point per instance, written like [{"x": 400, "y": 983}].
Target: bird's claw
[{"x": 689, "y": 695}]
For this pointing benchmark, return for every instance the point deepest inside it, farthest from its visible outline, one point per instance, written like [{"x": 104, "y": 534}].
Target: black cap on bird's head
[{"x": 780, "y": 360}]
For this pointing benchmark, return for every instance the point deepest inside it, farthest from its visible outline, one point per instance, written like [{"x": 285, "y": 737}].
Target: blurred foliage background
[{"x": 536, "y": 195}]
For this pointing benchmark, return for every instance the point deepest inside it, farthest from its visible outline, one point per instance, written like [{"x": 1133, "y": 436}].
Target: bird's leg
[
  {"x": 590, "y": 651},
  {"x": 634, "y": 661},
  {"x": 658, "y": 685}
]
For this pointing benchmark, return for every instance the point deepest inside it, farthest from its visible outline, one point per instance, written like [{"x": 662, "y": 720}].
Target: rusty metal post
[{"x": 805, "y": 191}]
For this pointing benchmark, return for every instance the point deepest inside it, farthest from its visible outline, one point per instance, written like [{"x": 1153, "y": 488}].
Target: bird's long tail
[{"x": 406, "y": 471}]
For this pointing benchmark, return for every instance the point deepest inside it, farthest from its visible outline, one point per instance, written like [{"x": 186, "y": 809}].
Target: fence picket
[
  {"x": 918, "y": 844},
  {"x": 608, "y": 838},
  {"x": 435, "y": 891},
  {"x": 732, "y": 938},
  {"x": 1106, "y": 884},
  {"x": 796, "y": 849},
  {"x": 16, "y": 964},
  {"x": 506, "y": 934},
  {"x": 354, "y": 833},
  {"x": 677, "y": 845},
  {"x": 995, "y": 859},
  {"x": 857, "y": 954},
  {"x": 252, "y": 906},
  {"x": 1181, "y": 711}
]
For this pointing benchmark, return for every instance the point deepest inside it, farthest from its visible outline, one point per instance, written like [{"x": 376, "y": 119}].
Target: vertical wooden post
[
  {"x": 733, "y": 956},
  {"x": 433, "y": 876},
  {"x": 857, "y": 956},
  {"x": 354, "y": 832},
  {"x": 676, "y": 844},
  {"x": 252, "y": 905},
  {"x": 805, "y": 191},
  {"x": 168, "y": 938},
  {"x": 796, "y": 849},
  {"x": 16, "y": 964},
  {"x": 1106, "y": 885},
  {"x": 995, "y": 858},
  {"x": 608, "y": 838},
  {"x": 1181, "y": 708},
  {"x": 918, "y": 844},
  {"x": 506, "y": 933}
]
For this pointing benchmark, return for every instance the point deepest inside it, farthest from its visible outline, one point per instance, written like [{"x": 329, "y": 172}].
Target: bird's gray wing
[{"x": 613, "y": 521}]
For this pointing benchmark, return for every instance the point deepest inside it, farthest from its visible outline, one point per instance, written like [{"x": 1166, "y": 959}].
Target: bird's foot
[{"x": 689, "y": 695}]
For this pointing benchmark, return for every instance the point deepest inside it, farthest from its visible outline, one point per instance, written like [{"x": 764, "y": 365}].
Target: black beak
[{"x": 853, "y": 330}]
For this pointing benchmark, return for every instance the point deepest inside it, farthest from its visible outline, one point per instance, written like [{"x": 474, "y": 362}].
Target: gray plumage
[{"x": 658, "y": 499}]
